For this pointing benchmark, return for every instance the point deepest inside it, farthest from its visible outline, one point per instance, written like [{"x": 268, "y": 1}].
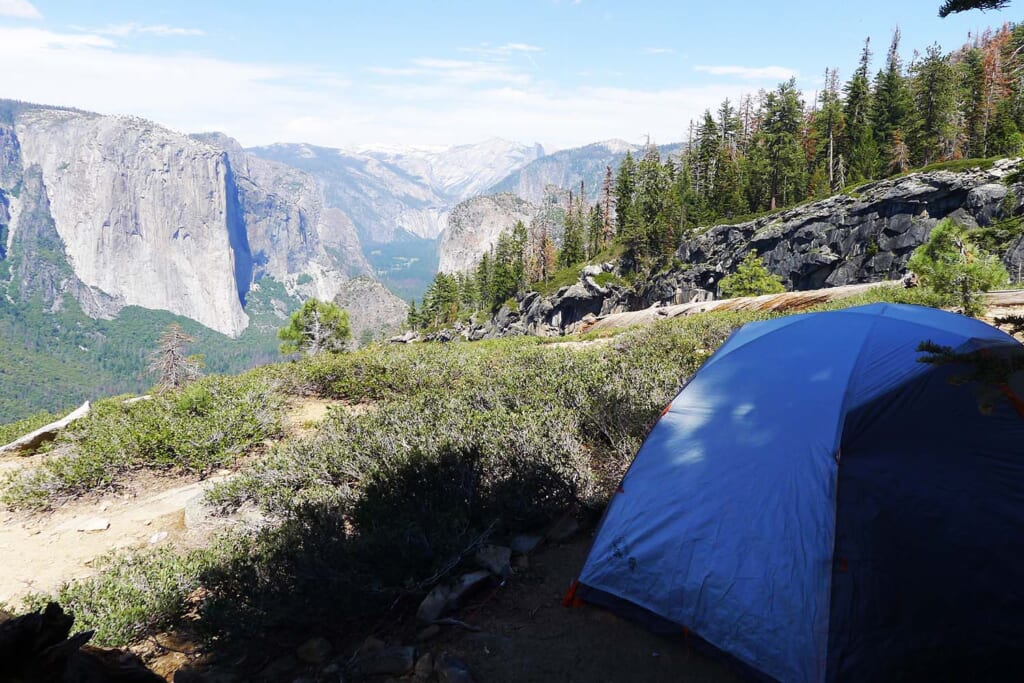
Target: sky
[{"x": 347, "y": 74}]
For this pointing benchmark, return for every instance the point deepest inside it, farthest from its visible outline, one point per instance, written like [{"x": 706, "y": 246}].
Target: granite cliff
[{"x": 119, "y": 211}]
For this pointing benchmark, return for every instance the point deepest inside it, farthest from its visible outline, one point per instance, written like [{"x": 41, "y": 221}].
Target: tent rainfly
[{"x": 819, "y": 505}]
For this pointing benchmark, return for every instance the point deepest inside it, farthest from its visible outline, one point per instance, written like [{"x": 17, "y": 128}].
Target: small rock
[
  {"x": 465, "y": 586},
  {"x": 424, "y": 667},
  {"x": 525, "y": 543},
  {"x": 495, "y": 559},
  {"x": 314, "y": 651},
  {"x": 428, "y": 633},
  {"x": 93, "y": 524},
  {"x": 390, "y": 661},
  {"x": 563, "y": 529},
  {"x": 451, "y": 669},
  {"x": 434, "y": 604},
  {"x": 157, "y": 537}
]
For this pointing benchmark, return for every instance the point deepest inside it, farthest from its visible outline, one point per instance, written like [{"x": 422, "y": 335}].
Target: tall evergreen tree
[
  {"x": 858, "y": 142},
  {"x": 892, "y": 104},
  {"x": 574, "y": 235},
  {"x": 595, "y": 230},
  {"x": 932, "y": 87},
  {"x": 783, "y": 118},
  {"x": 624, "y": 188},
  {"x": 829, "y": 127}
]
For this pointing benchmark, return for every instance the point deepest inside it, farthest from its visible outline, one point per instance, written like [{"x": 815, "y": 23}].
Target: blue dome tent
[{"x": 819, "y": 505}]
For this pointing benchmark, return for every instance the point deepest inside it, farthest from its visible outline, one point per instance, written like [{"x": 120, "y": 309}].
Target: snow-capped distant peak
[{"x": 615, "y": 146}]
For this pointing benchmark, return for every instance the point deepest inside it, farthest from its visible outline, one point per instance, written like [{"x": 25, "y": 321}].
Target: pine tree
[
  {"x": 858, "y": 143},
  {"x": 317, "y": 327},
  {"x": 608, "y": 231},
  {"x": 169, "y": 362},
  {"x": 951, "y": 6},
  {"x": 595, "y": 230},
  {"x": 829, "y": 126},
  {"x": 955, "y": 268},
  {"x": 412, "y": 318},
  {"x": 751, "y": 278},
  {"x": 483, "y": 280},
  {"x": 782, "y": 126},
  {"x": 624, "y": 188},
  {"x": 892, "y": 104},
  {"x": 933, "y": 136},
  {"x": 704, "y": 161},
  {"x": 572, "y": 251}
]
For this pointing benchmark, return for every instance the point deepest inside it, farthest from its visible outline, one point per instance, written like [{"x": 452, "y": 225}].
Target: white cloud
[
  {"x": 502, "y": 50},
  {"x": 425, "y": 101},
  {"x": 127, "y": 29},
  {"x": 658, "y": 50},
  {"x": 21, "y": 9},
  {"x": 750, "y": 73},
  {"x": 456, "y": 71}
]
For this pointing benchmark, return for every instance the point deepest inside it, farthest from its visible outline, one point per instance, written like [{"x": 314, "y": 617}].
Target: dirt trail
[{"x": 42, "y": 551}]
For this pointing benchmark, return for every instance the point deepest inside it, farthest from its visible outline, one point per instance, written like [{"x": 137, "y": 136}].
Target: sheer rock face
[
  {"x": 474, "y": 227},
  {"x": 146, "y": 216}
]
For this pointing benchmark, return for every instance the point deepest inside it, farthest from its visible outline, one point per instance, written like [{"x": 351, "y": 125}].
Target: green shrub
[
  {"x": 751, "y": 278},
  {"x": 135, "y": 594},
  {"x": 204, "y": 426},
  {"x": 954, "y": 268},
  {"x": 464, "y": 442}
]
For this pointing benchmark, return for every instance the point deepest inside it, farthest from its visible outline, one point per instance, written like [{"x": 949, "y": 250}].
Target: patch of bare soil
[
  {"x": 527, "y": 635},
  {"x": 43, "y": 551},
  {"x": 306, "y": 413}
]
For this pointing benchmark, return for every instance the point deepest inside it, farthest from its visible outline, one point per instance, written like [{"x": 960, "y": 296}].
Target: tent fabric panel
[
  {"x": 928, "y": 538},
  {"x": 725, "y": 523},
  {"x": 889, "y": 357}
]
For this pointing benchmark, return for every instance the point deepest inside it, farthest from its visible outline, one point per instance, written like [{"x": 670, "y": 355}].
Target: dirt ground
[
  {"x": 527, "y": 635},
  {"x": 43, "y": 551}
]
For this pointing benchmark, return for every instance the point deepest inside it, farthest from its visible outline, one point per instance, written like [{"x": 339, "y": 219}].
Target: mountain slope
[
  {"x": 126, "y": 212},
  {"x": 568, "y": 167}
]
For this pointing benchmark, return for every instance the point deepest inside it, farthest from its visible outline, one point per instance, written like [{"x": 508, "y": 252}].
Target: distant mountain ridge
[
  {"x": 418, "y": 210},
  {"x": 128, "y": 212}
]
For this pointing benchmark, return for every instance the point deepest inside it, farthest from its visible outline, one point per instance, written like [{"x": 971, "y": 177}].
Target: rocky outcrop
[
  {"x": 289, "y": 231},
  {"x": 141, "y": 212},
  {"x": 846, "y": 239},
  {"x": 119, "y": 211},
  {"x": 864, "y": 237},
  {"x": 373, "y": 311}
]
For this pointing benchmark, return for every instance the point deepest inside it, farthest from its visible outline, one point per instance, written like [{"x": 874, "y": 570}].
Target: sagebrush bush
[
  {"x": 206, "y": 425},
  {"x": 135, "y": 593}
]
